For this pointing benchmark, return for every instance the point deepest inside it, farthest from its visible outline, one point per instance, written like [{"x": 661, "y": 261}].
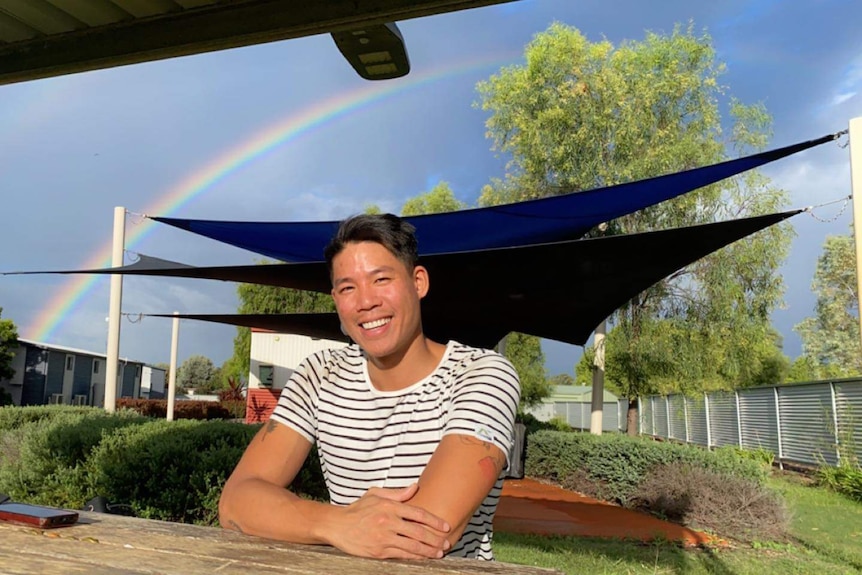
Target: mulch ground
[{"x": 528, "y": 506}]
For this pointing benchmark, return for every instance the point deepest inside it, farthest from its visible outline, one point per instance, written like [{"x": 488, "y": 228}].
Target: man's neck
[{"x": 415, "y": 363}]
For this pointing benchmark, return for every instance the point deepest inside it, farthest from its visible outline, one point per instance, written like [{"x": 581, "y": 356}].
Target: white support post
[
  {"x": 835, "y": 423},
  {"x": 778, "y": 429},
  {"x": 856, "y": 193},
  {"x": 172, "y": 377},
  {"x": 115, "y": 306},
  {"x": 706, "y": 413},
  {"x": 685, "y": 416},
  {"x": 598, "y": 392},
  {"x": 738, "y": 420}
]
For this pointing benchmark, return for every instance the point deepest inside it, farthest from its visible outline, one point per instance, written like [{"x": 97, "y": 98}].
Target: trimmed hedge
[
  {"x": 13, "y": 417},
  {"x": 617, "y": 464},
  {"x": 170, "y": 470},
  {"x": 40, "y": 460},
  {"x": 63, "y": 456},
  {"x": 185, "y": 409}
]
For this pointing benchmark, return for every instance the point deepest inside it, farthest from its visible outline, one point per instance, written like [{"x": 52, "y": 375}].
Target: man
[{"x": 412, "y": 434}]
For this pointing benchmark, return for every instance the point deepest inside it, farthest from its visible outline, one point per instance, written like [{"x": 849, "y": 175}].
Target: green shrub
[
  {"x": 616, "y": 464},
  {"x": 846, "y": 479},
  {"x": 760, "y": 455},
  {"x": 170, "y": 470},
  {"x": 13, "y": 417},
  {"x": 42, "y": 461},
  {"x": 703, "y": 499},
  {"x": 185, "y": 409}
]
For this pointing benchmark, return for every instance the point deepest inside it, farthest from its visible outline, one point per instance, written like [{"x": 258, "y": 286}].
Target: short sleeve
[
  {"x": 297, "y": 404},
  {"x": 485, "y": 401}
]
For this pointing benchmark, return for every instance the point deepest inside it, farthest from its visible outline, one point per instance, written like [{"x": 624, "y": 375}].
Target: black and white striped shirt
[{"x": 370, "y": 438}]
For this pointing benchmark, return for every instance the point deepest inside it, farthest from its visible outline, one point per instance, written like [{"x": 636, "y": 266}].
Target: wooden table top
[{"x": 112, "y": 544}]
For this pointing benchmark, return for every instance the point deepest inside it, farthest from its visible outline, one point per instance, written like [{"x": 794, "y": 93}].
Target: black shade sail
[
  {"x": 553, "y": 219},
  {"x": 559, "y": 291}
]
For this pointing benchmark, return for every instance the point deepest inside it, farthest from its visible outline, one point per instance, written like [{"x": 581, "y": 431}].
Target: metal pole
[
  {"x": 598, "y": 395},
  {"x": 172, "y": 377},
  {"x": 114, "y": 310},
  {"x": 856, "y": 192}
]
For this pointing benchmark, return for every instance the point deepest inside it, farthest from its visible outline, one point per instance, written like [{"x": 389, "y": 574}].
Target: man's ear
[{"x": 421, "y": 281}]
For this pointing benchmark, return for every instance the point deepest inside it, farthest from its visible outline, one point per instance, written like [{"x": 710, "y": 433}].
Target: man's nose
[{"x": 366, "y": 297}]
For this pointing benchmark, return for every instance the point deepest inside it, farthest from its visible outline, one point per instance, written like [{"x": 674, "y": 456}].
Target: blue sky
[{"x": 76, "y": 146}]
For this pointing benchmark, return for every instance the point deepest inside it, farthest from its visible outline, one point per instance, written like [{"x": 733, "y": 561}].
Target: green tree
[
  {"x": 580, "y": 115},
  {"x": 438, "y": 200},
  {"x": 830, "y": 339},
  {"x": 524, "y": 351},
  {"x": 255, "y": 298},
  {"x": 8, "y": 345},
  {"x": 562, "y": 379},
  {"x": 197, "y": 373}
]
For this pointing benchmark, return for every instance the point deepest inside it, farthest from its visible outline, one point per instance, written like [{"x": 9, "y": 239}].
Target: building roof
[
  {"x": 44, "y": 38},
  {"x": 578, "y": 393},
  {"x": 76, "y": 351}
]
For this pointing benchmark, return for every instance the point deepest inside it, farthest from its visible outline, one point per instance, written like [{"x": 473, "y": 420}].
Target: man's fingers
[{"x": 419, "y": 515}]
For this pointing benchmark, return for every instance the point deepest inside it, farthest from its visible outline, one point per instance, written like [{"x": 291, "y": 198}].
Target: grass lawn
[{"x": 826, "y": 538}]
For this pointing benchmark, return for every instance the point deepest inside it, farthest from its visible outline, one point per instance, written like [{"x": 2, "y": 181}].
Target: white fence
[{"x": 810, "y": 423}]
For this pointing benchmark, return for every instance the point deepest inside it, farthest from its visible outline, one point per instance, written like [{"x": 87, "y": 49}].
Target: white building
[{"x": 273, "y": 358}]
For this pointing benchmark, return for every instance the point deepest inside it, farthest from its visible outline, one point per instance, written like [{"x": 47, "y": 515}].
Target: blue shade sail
[
  {"x": 552, "y": 219},
  {"x": 559, "y": 291}
]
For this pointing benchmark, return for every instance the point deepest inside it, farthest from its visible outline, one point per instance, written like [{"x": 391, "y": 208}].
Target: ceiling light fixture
[{"x": 376, "y": 52}]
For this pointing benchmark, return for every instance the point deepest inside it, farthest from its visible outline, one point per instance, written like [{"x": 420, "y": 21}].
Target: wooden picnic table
[{"x": 113, "y": 544}]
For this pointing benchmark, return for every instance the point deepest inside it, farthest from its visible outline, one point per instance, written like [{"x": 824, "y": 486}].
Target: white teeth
[{"x": 376, "y": 323}]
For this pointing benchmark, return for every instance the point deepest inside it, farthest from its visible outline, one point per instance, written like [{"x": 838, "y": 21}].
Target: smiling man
[{"x": 412, "y": 434}]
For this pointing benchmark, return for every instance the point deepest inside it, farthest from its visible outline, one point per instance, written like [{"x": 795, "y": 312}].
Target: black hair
[{"x": 393, "y": 233}]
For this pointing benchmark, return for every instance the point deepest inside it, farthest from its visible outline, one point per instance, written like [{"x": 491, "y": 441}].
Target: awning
[
  {"x": 552, "y": 219},
  {"x": 559, "y": 291}
]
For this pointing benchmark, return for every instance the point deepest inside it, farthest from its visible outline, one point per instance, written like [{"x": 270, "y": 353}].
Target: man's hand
[{"x": 383, "y": 526}]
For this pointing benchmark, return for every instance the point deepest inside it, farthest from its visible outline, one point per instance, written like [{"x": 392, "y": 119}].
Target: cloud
[{"x": 849, "y": 83}]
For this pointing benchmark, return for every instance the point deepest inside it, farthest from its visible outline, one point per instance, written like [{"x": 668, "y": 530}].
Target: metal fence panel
[
  {"x": 723, "y": 424},
  {"x": 848, "y": 403},
  {"x": 676, "y": 417},
  {"x": 561, "y": 411},
  {"x": 758, "y": 419},
  {"x": 660, "y": 418},
  {"x": 623, "y": 411},
  {"x": 696, "y": 408},
  {"x": 807, "y": 428},
  {"x": 647, "y": 428}
]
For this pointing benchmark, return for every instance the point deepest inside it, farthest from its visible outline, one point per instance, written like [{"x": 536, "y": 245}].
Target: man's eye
[
  {"x": 383, "y": 279},
  {"x": 345, "y": 290}
]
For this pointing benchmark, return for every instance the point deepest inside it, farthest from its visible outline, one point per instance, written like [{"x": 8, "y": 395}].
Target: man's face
[{"x": 377, "y": 298}]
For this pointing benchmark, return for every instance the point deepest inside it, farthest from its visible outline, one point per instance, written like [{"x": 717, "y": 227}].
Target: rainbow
[{"x": 70, "y": 295}]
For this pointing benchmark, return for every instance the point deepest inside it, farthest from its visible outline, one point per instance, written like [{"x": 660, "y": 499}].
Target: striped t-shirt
[{"x": 370, "y": 438}]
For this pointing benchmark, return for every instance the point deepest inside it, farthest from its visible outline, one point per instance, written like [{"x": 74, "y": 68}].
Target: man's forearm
[{"x": 256, "y": 507}]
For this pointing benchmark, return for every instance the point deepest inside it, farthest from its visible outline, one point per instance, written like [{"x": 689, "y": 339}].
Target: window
[
  {"x": 70, "y": 362},
  {"x": 265, "y": 374},
  {"x": 95, "y": 366}
]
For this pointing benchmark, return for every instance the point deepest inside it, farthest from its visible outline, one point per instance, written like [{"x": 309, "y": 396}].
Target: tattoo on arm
[
  {"x": 270, "y": 426},
  {"x": 470, "y": 440}
]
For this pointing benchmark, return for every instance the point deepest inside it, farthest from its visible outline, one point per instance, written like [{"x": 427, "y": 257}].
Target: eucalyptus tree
[
  {"x": 830, "y": 339},
  {"x": 579, "y": 115}
]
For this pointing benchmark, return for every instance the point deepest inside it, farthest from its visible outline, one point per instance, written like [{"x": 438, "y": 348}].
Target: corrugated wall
[
  {"x": 696, "y": 407},
  {"x": 723, "y": 425},
  {"x": 807, "y": 428},
  {"x": 802, "y": 429},
  {"x": 676, "y": 417},
  {"x": 759, "y": 419},
  {"x": 848, "y": 401}
]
